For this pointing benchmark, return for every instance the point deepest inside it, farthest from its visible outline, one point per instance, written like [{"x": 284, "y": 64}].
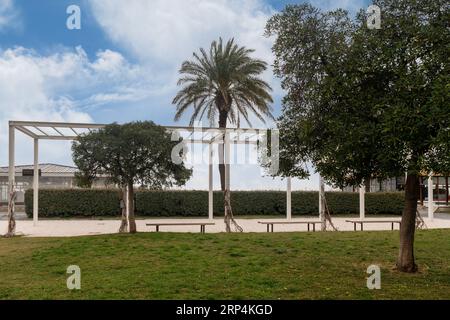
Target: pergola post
[
  {"x": 362, "y": 205},
  {"x": 11, "y": 169},
  {"x": 322, "y": 203},
  {"x": 36, "y": 182},
  {"x": 288, "y": 199},
  {"x": 210, "y": 189},
  {"x": 227, "y": 161},
  {"x": 430, "y": 197}
]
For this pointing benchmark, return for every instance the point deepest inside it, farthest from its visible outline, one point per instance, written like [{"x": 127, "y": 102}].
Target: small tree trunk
[
  {"x": 131, "y": 220},
  {"x": 405, "y": 261},
  {"x": 124, "y": 223},
  {"x": 228, "y": 212},
  {"x": 229, "y": 219},
  {"x": 11, "y": 210},
  {"x": 367, "y": 185}
]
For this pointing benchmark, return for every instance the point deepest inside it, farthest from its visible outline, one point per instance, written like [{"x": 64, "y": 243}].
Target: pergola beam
[
  {"x": 77, "y": 132},
  {"x": 58, "y": 131},
  {"x": 27, "y": 132},
  {"x": 56, "y": 124},
  {"x": 41, "y": 131}
]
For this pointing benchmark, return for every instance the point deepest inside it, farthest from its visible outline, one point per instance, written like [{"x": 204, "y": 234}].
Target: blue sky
[{"x": 122, "y": 64}]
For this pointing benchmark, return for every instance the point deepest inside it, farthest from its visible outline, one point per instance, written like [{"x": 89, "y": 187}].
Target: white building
[{"x": 54, "y": 176}]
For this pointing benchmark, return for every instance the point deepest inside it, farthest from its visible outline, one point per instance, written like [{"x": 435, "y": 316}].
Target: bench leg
[
  {"x": 157, "y": 228},
  {"x": 354, "y": 226},
  {"x": 362, "y": 226},
  {"x": 202, "y": 228},
  {"x": 271, "y": 227},
  {"x": 392, "y": 226},
  {"x": 267, "y": 227},
  {"x": 314, "y": 227},
  {"x": 308, "y": 227}
]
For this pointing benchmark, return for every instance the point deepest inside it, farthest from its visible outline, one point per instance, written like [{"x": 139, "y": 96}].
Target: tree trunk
[
  {"x": 124, "y": 224},
  {"x": 131, "y": 220},
  {"x": 405, "y": 261},
  {"x": 11, "y": 210},
  {"x": 223, "y": 115},
  {"x": 367, "y": 184},
  {"x": 228, "y": 211},
  {"x": 225, "y": 187}
]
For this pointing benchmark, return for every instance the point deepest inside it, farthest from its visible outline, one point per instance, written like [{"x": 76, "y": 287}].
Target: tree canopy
[
  {"x": 224, "y": 83},
  {"x": 366, "y": 103},
  {"x": 136, "y": 153}
]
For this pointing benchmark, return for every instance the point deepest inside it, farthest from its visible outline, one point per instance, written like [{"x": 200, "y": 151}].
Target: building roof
[{"x": 47, "y": 169}]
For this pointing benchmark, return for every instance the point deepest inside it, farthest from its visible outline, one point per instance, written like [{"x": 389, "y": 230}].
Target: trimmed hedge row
[
  {"x": 74, "y": 202},
  {"x": 105, "y": 202}
]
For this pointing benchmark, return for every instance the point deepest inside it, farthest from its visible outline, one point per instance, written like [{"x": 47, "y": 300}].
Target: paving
[{"x": 79, "y": 227}]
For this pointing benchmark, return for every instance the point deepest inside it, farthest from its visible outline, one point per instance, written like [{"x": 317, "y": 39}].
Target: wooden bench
[
  {"x": 307, "y": 222},
  {"x": 361, "y": 222},
  {"x": 201, "y": 224}
]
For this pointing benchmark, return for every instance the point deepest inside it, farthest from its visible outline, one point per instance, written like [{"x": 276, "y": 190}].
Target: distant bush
[{"x": 105, "y": 202}]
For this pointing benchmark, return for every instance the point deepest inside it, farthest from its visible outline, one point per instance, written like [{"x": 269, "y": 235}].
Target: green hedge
[
  {"x": 94, "y": 202},
  {"x": 74, "y": 202},
  {"x": 195, "y": 203}
]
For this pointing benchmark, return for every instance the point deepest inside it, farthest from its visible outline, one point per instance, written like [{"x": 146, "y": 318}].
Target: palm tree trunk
[
  {"x": 131, "y": 220},
  {"x": 223, "y": 115},
  {"x": 405, "y": 260},
  {"x": 224, "y": 184}
]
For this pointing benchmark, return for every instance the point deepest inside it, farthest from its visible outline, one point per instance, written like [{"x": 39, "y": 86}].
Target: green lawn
[{"x": 329, "y": 265}]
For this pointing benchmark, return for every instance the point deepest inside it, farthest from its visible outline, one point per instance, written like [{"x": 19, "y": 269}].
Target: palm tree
[{"x": 224, "y": 85}]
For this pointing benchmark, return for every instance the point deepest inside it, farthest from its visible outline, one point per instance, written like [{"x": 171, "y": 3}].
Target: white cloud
[
  {"x": 162, "y": 34},
  {"x": 52, "y": 88},
  {"x": 169, "y": 31},
  {"x": 9, "y": 15}
]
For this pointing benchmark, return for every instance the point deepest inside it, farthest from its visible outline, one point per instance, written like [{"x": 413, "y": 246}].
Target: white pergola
[{"x": 71, "y": 131}]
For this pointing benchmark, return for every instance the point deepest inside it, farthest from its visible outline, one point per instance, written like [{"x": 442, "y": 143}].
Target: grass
[{"x": 329, "y": 265}]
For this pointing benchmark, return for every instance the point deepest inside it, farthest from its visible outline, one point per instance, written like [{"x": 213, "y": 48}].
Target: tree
[
  {"x": 130, "y": 154},
  {"x": 224, "y": 84},
  {"x": 84, "y": 181},
  {"x": 366, "y": 103}
]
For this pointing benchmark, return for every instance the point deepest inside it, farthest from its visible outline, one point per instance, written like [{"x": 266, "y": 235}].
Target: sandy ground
[{"x": 65, "y": 228}]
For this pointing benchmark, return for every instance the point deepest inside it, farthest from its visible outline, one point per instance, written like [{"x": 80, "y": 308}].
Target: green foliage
[
  {"x": 83, "y": 181},
  {"x": 133, "y": 153},
  {"x": 94, "y": 202},
  {"x": 74, "y": 202},
  {"x": 223, "y": 81},
  {"x": 364, "y": 102}
]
